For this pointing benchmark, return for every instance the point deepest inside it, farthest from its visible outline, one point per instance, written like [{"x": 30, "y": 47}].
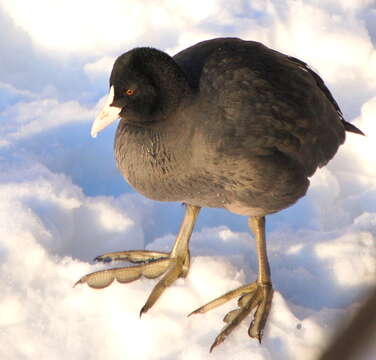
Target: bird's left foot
[{"x": 257, "y": 296}]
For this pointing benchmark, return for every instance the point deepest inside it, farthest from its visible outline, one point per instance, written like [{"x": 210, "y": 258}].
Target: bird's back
[{"x": 263, "y": 102}]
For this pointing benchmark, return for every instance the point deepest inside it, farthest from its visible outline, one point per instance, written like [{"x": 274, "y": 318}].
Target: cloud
[
  {"x": 10, "y": 95},
  {"x": 363, "y": 148},
  {"x": 57, "y": 216},
  {"x": 107, "y": 24},
  {"x": 346, "y": 188},
  {"x": 35, "y": 117},
  {"x": 99, "y": 71},
  {"x": 26, "y": 68},
  {"x": 347, "y": 272}
]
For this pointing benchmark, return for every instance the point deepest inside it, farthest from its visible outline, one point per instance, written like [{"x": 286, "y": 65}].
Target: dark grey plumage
[{"x": 233, "y": 124}]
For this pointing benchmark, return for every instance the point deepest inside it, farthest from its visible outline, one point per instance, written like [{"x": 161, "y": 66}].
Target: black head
[{"x": 148, "y": 85}]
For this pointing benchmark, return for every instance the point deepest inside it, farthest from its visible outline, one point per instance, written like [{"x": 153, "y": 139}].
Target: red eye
[{"x": 130, "y": 92}]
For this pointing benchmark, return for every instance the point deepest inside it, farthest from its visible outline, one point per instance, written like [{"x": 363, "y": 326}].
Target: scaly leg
[
  {"x": 257, "y": 295},
  {"x": 151, "y": 264}
]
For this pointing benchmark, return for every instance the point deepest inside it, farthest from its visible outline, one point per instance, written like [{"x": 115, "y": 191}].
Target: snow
[{"x": 63, "y": 202}]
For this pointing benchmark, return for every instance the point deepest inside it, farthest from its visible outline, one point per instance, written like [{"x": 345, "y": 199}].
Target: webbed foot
[
  {"x": 252, "y": 296},
  {"x": 150, "y": 264}
]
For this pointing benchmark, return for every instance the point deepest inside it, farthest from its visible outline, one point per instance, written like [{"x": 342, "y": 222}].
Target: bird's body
[
  {"x": 227, "y": 124},
  {"x": 251, "y": 128}
]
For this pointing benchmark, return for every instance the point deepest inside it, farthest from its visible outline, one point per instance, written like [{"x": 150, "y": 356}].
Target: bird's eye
[{"x": 130, "y": 92}]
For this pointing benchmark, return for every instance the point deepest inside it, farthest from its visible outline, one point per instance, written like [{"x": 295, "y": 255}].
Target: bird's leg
[
  {"x": 150, "y": 264},
  {"x": 257, "y": 295}
]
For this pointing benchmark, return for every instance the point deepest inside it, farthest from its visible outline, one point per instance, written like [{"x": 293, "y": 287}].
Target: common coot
[{"x": 225, "y": 123}]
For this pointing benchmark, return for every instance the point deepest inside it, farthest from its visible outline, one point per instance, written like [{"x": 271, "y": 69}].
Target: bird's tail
[{"x": 352, "y": 128}]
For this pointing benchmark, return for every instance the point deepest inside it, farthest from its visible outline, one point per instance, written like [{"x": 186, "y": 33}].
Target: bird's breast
[{"x": 148, "y": 164}]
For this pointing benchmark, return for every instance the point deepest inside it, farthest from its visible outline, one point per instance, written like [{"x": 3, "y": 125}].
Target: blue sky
[{"x": 62, "y": 201}]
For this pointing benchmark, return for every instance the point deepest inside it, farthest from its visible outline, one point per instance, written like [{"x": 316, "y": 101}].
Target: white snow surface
[{"x": 62, "y": 201}]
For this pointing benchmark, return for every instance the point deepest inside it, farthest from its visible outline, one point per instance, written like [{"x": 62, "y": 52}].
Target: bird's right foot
[{"x": 150, "y": 264}]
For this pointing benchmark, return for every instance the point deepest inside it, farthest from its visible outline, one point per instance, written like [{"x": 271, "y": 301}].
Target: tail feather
[{"x": 352, "y": 128}]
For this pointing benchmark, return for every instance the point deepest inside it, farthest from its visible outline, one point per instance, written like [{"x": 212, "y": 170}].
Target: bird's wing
[
  {"x": 271, "y": 102},
  {"x": 320, "y": 83}
]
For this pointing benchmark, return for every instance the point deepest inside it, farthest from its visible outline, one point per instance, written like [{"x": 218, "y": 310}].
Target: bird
[{"x": 226, "y": 123}]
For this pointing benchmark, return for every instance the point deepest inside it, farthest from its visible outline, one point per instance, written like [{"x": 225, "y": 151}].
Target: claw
[
  {"x": 172, "y": 273},
  {"x": 236, "y": 319},
  {"x": 218, "y": 340},
  {"x": 142, "y": 311},
  {"x": 256, "y": 328}
]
